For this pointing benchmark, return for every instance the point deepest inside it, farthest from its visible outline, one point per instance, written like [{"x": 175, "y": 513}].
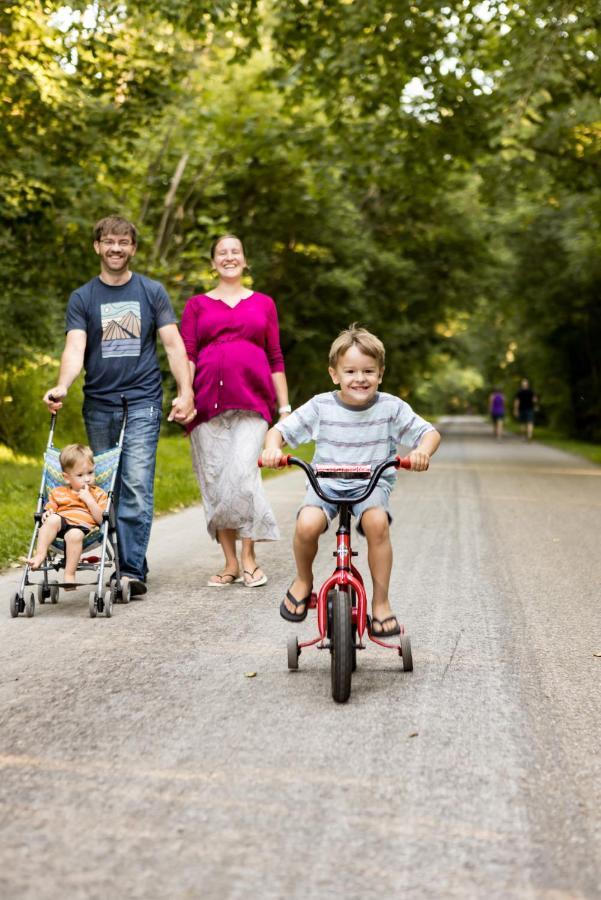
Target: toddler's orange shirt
[{"x": 68, "y": 504}]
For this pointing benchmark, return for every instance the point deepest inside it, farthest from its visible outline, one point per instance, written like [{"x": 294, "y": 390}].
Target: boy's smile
[{"x": 358, "y": 376}]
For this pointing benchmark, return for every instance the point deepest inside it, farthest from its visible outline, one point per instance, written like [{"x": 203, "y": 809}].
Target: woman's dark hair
[{"x": 222, "y": 237}]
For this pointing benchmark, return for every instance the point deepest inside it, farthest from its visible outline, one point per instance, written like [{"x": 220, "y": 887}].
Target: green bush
[{"x": 24, "y": 419}]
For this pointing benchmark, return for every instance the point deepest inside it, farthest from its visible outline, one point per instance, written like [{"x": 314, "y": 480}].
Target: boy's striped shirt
[{"x": 352, "y": 435}]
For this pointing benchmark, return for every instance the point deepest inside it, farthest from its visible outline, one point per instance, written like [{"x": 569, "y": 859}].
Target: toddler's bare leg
[
  {"x": 310, "y": 524},
  {"x": 374, "y": 523},
  {"x": 47, "y": 533},
  {"x": 73, "y": 548}
]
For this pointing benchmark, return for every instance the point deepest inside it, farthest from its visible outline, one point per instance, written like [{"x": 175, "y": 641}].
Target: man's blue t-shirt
[{"x": 121, "y": 323}]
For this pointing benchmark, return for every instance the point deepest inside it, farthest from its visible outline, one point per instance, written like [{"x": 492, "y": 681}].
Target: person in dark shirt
[
  {"x": 524, "y": 406},
  {"x": 112, "y": 326}
]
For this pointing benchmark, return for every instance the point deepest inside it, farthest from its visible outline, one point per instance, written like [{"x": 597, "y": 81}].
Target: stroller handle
[{"x": 353, "y": 472}]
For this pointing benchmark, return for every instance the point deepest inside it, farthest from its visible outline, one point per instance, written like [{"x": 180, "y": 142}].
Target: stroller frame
[{"x": 99, "y": 601}]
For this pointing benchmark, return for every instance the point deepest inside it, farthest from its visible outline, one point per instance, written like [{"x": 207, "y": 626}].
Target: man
[
  {"x": 112, "y": 323},
  {"x": 524, "y": 406}
]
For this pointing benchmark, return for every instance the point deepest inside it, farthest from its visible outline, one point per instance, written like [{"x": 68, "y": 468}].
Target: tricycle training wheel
[
  {"x": 405, "y": 652},
  {"x": 342, "y": 646},
  {"x": 293, "y": 652}
]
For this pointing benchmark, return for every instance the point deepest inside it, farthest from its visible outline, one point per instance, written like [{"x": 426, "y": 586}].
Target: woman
[
  {"x": 496, "y": 408},
  {"x": 232, "y": 339}
]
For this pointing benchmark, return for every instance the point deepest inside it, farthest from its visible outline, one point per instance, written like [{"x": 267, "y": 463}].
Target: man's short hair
[
  {"x": 72, "y": 454},
  {"x": 354, "y": 336},
  {"x": 115, "y": 225}
]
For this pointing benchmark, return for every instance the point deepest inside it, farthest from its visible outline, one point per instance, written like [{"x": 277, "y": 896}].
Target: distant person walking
[
  {"x": 112, "y": 327},
  {"x": 524, "y": 406},
  {"x": 496, "y": 408}
]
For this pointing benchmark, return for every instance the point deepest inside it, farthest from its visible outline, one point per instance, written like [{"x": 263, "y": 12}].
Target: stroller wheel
[
  {"x": 14, "y": 605},
  {"x": 54, "y": 591},
  {"x": 125, "y": 591},
  {"x": 29, "y": 605},
  {"x": 43, "y": 592},
  {"x": 93, "y": 604},
  {"x": 108, "y": 603}
]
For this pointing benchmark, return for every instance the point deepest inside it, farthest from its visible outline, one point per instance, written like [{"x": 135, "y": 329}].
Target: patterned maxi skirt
[{"x": 225, "y": 451}]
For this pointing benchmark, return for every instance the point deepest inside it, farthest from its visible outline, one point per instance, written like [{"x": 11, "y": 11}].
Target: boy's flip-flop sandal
[
  {"x": 381, "y": 622},
  {"x": 248, "y": 582},
  {"x": 234, "y": 579},
  {"x": 295, "y": 617}
]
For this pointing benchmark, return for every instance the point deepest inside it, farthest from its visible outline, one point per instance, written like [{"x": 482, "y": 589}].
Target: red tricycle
[{"x": 341, "y": 601}]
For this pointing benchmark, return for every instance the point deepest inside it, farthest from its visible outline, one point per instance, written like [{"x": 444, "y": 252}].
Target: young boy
[
  {"x": 356, "y": 424},
  {"x": 71, "y": 511}
]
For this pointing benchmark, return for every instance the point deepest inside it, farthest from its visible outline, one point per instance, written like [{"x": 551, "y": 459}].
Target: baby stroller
[{"x": 105, "y": 536}]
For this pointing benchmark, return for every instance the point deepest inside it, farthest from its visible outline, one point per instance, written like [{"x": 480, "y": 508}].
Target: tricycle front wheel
[{"x": 341, "y": 646}]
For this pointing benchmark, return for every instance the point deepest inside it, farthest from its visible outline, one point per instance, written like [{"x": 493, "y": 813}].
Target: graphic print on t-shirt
[{"x": 121, "y": 328}]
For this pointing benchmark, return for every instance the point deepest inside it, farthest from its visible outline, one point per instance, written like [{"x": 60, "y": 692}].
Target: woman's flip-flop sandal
[
  {"x": 295, "y": 617},
  {"x": 248, "y": 582},
  {"x": 234, "y": 579}
]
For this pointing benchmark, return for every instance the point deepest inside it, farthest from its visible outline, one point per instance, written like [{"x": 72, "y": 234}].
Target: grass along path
[{"x": 20, "y": 477}]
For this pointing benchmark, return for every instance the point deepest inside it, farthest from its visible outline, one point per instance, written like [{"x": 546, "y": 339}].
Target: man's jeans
[{"x": 134, "y": 487}]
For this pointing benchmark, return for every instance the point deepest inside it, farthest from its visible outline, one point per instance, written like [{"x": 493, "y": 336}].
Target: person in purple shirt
[
  {"x": 231, "y": 335},
  {"x": 496, "y": 406}
]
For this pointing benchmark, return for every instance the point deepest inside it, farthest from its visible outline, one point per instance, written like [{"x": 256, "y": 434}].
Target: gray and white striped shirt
[{"x": 354, "y": 435}]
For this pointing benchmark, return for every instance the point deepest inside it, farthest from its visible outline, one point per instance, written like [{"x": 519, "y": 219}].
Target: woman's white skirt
[{"x": 225, "y": 451}]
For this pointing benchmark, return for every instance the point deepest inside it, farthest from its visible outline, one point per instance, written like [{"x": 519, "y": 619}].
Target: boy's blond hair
[
  {"x": 354, "y": 336},
  {"x": 72, "y": 454}
]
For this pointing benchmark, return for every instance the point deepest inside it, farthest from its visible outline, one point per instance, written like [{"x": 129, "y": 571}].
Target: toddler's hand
[
  {"x": 420, "y": 460},
  {"x": 271, "y": 458},
  {"x": 85, "y": 494}
]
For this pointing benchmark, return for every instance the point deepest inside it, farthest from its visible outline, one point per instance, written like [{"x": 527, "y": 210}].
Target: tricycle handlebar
[{"x": 354, "y": 472}]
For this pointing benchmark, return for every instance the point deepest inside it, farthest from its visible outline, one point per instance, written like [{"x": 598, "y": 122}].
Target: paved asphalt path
[{"x": 138, "y": 760}]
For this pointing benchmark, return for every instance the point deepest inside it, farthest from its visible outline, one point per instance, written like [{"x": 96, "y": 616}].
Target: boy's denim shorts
[{"x": 378, "y": 498}]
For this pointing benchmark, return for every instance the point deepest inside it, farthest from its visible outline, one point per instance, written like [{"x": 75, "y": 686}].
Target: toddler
[{"x": 72, "y": 510}]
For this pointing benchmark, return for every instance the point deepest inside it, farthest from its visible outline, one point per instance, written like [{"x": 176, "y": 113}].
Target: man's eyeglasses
[{"x": 122, "y": 245}]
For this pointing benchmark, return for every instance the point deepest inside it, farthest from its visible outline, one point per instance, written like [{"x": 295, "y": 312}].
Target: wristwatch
[{"x": 285, "y": 409}]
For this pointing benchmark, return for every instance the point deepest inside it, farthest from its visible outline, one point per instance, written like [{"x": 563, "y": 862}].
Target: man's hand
[
  {"x": 54, "y": 397},
  {"x": 420, "y": 460},
  {"x": 182, "y": 409}
]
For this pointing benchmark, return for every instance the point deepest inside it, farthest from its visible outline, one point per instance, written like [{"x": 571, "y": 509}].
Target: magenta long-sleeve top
[{"x": 235, "y": 350}]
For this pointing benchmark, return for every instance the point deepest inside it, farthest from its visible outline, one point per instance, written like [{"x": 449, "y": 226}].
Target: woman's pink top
[{"x": 235, "y": 350}]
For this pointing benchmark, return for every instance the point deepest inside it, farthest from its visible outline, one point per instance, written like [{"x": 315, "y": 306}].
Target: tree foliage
[{"x": 428, "y": 169}]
